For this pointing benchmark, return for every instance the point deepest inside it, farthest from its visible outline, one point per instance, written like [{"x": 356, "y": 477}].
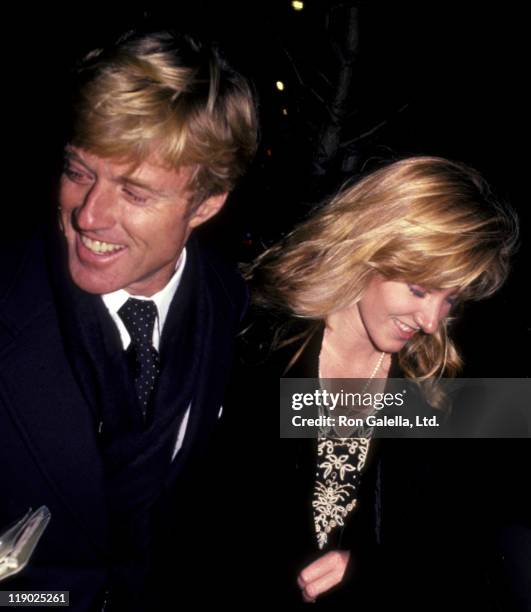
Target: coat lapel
[
  {"x": 217, "y": 320},
  {"x": 44, "y": 400}
]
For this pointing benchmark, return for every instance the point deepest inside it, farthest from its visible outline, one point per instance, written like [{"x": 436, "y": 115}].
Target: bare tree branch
[
  {"x": 329, "y": 138},
  {"x": 372, "y": 130}
]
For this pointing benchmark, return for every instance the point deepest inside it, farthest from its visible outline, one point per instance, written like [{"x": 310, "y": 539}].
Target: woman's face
[{"x": 392, "y": 312}]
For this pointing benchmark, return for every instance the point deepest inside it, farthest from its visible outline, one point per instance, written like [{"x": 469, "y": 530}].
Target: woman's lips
[{"x": 404, "y": 330}]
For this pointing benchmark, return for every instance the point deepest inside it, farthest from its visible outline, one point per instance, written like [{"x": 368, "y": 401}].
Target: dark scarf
[{"x": 136, "y": 456}]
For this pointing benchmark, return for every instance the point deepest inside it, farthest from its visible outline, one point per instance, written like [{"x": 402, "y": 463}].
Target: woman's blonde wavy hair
[
  {"x": 421, "y": 220},
  {"x": 166, "y": 94}
]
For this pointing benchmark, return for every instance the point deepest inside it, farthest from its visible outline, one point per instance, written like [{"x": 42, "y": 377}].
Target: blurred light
[
  {"x": 297, "y": 5},
  {"x": 284, "y": 111},
  {"x": 280, "y": 85}
]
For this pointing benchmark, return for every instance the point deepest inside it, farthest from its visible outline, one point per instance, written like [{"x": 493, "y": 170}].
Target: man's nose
[
  {"x": 431, "y": 313},
  {"x": 96, "y": 210}
]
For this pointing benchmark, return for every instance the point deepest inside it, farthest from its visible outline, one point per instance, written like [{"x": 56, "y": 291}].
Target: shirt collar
[{"x": 163, "y": 298}]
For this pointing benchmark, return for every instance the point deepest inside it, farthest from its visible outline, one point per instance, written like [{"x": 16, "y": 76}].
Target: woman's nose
[{"x": 431, "y": 313}]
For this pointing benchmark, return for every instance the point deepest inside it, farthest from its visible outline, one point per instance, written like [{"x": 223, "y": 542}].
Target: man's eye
[
  {"x": 417, "y": 291},
  {"x": 134, "y": 196},
  {"x": 73, "y": 174}
]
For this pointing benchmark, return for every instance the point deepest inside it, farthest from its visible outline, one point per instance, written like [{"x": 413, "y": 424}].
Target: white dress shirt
[
  {"x": 163, "y": 298},
  {"x": 115, "y": 300}
]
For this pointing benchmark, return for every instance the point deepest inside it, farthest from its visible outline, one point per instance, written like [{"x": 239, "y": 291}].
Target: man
[{"x": 116, "y": 341}]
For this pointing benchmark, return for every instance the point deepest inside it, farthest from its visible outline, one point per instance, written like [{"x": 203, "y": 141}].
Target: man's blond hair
[{"x": 165, "y": 95}]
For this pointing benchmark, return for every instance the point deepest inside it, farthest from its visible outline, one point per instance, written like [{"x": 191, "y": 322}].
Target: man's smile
[
  {"x": 96, "y": 252},
  {"x": 98, "y": 246}
]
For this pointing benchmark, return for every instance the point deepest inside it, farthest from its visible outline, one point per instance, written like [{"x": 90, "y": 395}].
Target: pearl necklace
[
  {"x": 324, "y": 432},
  {"x": 373, "y": 373}
]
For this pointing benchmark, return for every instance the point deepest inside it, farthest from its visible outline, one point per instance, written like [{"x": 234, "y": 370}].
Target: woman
[{"x": 366, "y": 289}]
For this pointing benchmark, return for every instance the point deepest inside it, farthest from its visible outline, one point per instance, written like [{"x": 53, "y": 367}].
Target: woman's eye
[
  {"x": 417, "y": 291},
  {"x": 452, "y": 300}
]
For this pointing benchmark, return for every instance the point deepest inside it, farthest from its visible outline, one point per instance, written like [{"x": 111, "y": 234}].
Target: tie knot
[{"x": 139, "y": 318}]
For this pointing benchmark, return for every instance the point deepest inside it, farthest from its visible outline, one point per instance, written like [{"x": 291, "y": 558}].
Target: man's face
[{"x": 125, "y": 230}]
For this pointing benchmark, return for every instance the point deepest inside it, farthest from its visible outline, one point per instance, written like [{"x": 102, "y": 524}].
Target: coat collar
[{"x": 43, "y": 398}]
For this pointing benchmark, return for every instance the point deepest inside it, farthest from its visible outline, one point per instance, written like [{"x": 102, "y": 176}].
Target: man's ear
[{"x": 207, "y": 209}]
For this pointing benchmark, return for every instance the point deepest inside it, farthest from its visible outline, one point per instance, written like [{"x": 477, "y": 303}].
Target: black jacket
[
  {"x": 423, "y": 535},
  {"x": 49, "y": 450}
]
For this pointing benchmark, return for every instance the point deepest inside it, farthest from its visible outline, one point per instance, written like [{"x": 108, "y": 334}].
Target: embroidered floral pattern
[{"x": 339, "y": 464}]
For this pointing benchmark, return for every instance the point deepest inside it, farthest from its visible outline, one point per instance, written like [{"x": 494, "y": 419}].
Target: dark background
[{"x": 432, "y": 79}]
